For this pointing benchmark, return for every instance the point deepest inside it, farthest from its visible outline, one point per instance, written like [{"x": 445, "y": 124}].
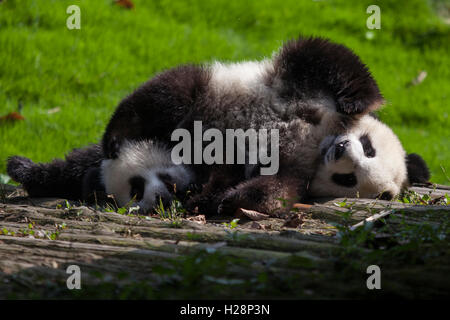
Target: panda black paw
[
  {"x": 18, "y": 168},
  {"x": 202, "y": 204},
  {"x": 229, "y": 204}
]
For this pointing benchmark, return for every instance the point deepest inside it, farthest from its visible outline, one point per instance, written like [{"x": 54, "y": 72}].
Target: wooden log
[{"x": 372, "y": 219}]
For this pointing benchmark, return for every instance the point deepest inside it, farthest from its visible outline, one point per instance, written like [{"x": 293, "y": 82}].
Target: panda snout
[{"x": 340, "y": 148}]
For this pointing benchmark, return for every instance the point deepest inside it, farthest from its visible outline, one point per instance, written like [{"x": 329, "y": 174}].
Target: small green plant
[
  {"x": 350, "y": 238},
  {"x": 412, "y": 197},
  {"x": 67, "y": 205},
  {"x": 172, "y": 213},
  {"x": 31, "y": 231},
  {"x": 233, "y": 235},
  {"x": 447, "y": 199},
  {"x": 127, "y": 209},
  {"x": 345, "y": 204},
  {"x": 6, "y": 232},
  {"x": 231, "y": 225}
]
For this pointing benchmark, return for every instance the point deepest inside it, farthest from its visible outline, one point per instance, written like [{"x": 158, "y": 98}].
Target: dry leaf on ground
[
  {"x": 251, "y": 214},
  {"x": 11, "y": 117},
  {"x": 128, "y": 4},
  {"x": 294, "y": 221},
  {"x": 199, "y": 219}
]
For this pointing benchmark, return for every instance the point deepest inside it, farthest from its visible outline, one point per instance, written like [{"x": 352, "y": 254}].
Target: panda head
[
  {"x": 142, "y": 174},
  {"x": 368, "y": 160}
]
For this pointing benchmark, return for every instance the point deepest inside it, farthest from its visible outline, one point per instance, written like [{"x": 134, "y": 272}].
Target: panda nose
[{"x": 339, "y": 149}]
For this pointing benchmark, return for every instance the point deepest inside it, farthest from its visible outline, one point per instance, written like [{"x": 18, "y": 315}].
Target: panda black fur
[
  {"x": 318, "y": 94},
  {"x": 73, "y": 178}
]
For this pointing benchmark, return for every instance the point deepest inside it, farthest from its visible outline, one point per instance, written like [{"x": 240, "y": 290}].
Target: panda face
[
  {"x": 143, "y": 174},
  {"x": 367, "y": 160}
]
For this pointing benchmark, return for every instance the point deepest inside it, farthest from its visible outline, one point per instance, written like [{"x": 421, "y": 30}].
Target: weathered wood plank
[{"x": 110, "y": 243}]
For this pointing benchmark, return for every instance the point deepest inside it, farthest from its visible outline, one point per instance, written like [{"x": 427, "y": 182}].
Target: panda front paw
[
  {"x": 229, "y": 204},
  {"x": 203, "y": 204},
  {"x": 250, "y": 196}
]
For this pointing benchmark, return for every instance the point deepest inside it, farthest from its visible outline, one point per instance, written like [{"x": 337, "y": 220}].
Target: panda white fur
[
  {"x": 367, "y": 161},
  {"x": 318, "y": 94}
]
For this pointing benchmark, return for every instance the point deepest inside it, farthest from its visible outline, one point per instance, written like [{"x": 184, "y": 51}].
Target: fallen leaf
[
  {"x": 294, "y": 221},
  {"x": 437, "y": 200},
  {"x": 53, "y": 110},
  {"x": 39, "y": 234},
  {"x": 128, "y": 4},
  {"x": 419, "y": 79},
  {"x": 199, "y": 219},
  {"x": 251, "y": 214},
  {"x": 12, "y": 117}
]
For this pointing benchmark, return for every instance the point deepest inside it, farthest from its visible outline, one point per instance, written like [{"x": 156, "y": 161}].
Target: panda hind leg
[{"x": 59, "y": 178}]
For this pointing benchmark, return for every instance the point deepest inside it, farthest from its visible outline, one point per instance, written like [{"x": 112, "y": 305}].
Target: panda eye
[
  {"x": 137, "y": 187},
  {"x": 369, "y": 151}
]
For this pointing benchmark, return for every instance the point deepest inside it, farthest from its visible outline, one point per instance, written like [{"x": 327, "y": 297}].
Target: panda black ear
[{"x": 418, "y": 171}]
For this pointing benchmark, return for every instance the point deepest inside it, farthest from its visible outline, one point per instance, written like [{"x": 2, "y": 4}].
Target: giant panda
[{"x": 317, "y": 94}]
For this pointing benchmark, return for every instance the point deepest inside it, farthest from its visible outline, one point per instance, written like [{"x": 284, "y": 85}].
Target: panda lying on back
[{"x": 318, "y": 94}]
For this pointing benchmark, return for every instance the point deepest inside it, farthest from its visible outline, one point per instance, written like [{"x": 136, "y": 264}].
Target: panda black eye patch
[
  {"x": 137, "y": 184},
  {"x": 344, "y": 179},
  {"x": 168, "y": 181},
  {"x": 369, "y": 151}
]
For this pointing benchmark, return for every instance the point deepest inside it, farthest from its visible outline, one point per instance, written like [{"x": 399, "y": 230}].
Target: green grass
[{"x": 86, "y": 72}]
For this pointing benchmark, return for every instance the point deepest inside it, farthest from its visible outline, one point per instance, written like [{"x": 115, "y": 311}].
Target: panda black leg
[
  {"x": 38, "y": 180},
  {"x": 18, "y": 168},
  {"x": 59, "y": 178}
]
